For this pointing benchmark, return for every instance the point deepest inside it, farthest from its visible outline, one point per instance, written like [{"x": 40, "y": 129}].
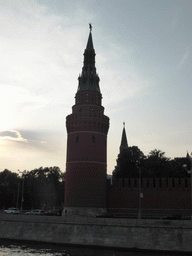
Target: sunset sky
[{"x": 143, "y": 58}]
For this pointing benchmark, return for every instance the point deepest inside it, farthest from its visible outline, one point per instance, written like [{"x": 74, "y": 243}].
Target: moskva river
[{"x": 13, "y": 248}]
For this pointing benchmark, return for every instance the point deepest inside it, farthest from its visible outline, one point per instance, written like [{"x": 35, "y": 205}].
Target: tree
[
  {"x": 127, "y": 163},
  {"x": 8, "y": 189},
  {"x": 155, "y": 165},
  {"x": 137, "y": 154},
  {"x": 44, "y": 188}
]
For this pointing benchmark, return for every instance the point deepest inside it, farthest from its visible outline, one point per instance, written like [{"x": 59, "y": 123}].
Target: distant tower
[
  {"x": 87, "y": 128},
  {"x": 124, "y": 159},
  {"x": 124, "y": 144}
]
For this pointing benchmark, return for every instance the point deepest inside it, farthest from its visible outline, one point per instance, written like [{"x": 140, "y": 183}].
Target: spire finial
[
  {"x": 123, "y": 124},
  {"x": 90, "y": 27}
]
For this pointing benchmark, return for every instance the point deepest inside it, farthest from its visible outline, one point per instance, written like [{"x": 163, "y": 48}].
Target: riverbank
[{"x": 164, "y": 235}]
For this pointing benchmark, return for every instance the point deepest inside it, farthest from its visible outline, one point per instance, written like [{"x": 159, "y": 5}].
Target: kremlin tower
[
  {"x": 124, "y": 144},
  {"x": 87, "y": 128}
]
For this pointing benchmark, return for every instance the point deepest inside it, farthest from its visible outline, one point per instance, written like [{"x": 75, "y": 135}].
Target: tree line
[
  {"x": 44, "y": 187},
  {"x": 154, "y": 165},
  {"x": 41, "y": 188}
]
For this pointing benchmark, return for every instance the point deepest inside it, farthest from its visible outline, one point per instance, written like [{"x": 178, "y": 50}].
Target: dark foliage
[
  {"x": 43, "y": 188},
  {"x": 155, "y": 165},
  {"x": 127, "y": 163},
  {"x": 8, "y": 188}
]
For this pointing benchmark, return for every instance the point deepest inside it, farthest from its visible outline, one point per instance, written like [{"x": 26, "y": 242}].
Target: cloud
[
  {"x": 16, "y": 104},
  {"x": 42, "y": 52},
  {"x": 44, "y": 140},
  {"x": 119, "y": 86},
  {"x": 12, "y": 135},
  {"x": 39, "y": 148}
]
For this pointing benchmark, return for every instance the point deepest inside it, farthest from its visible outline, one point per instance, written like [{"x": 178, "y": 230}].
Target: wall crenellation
[
  {"x": 152, "y": 183},
  {"x": 87, "y": 123}
]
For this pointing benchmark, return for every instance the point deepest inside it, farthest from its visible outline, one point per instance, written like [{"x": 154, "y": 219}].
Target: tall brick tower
[{"x": 87, "y": 128}]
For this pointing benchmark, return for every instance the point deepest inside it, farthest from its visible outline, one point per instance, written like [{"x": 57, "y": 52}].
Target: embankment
[{"x": 120, "y": 233}]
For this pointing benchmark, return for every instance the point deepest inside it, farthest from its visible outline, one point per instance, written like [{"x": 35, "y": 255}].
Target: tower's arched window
[
  {"x": 135, "y": 182},
  {"x": 186, "y": 182},
  {"x": 160, "y": 183},
  {"x": 173, "y": 182},
  {"x": 179, "y": 181},
  {"x": 93, "y": 138},
  {"x": 80, "y": 112},
  {"x": 154, "y": 182},
  {"x": 77, "y": 139},
  {"x": 167, "y": 183}
]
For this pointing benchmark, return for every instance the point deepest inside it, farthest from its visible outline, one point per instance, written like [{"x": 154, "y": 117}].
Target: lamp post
[
  {"x": 140, "y": 194},
  {"x": 190, "y": 172},
  {"x": 22, "y": 199},
  {"x": 18, "y": 195}
]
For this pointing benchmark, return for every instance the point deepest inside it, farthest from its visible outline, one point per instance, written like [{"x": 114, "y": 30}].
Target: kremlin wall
[{"x": 160, "y": 196}]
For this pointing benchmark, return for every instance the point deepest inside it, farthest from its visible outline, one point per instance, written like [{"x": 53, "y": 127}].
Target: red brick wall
[
  {"x": 171, "y": 195},
  {"x": 85, "y": 149},
  {"x": 86, "y": 185}
]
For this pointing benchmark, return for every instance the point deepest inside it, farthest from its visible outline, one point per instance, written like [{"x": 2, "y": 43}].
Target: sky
[{"x": 143, "y": 58}]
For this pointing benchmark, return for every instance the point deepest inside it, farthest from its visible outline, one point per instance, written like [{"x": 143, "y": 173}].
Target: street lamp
[
  {"x": 140, "y": 194},
  {"x": 22, "y": 199},
  {"x": 18, "y": 195},
  {"x": 190, "y": 172}
]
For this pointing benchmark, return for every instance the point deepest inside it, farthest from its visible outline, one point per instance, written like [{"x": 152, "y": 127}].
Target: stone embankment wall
[{"x": 120, "y": 233}]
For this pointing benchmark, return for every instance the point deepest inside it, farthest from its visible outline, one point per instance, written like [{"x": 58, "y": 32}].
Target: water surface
[{"x": 21, "y": 248}]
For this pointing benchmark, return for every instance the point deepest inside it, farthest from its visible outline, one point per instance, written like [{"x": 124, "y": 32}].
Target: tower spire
[
  {"x": 89, "y": 79},
  {"x": 124, "y": 144}
]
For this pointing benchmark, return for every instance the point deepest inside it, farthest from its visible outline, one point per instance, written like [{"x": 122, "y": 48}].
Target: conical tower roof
[
  {"x": 90, "y": 43},
  {"x": 124, "y": 144},
  {"x": 89, "y": 79}
]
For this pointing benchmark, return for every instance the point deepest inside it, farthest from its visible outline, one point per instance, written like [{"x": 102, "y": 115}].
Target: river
[{"x": 20, "y": 248}]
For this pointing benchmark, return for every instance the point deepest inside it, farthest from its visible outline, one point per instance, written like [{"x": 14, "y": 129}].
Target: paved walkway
[{"x": 96, "y": 221}]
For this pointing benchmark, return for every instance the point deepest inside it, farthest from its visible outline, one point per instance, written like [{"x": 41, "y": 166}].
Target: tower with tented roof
[
  {"x": 87, "y": 128},
  {"x": 124, "y": 144}
]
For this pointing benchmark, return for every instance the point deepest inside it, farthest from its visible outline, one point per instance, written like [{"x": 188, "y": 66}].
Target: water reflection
[{"x": 9, "y": 248}]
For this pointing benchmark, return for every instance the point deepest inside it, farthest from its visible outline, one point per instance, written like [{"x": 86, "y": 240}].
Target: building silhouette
[
  {"x": 161, "y": 196},
  {"x": 87, "y": 190},
  {"x": 87, "y": 128}
]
